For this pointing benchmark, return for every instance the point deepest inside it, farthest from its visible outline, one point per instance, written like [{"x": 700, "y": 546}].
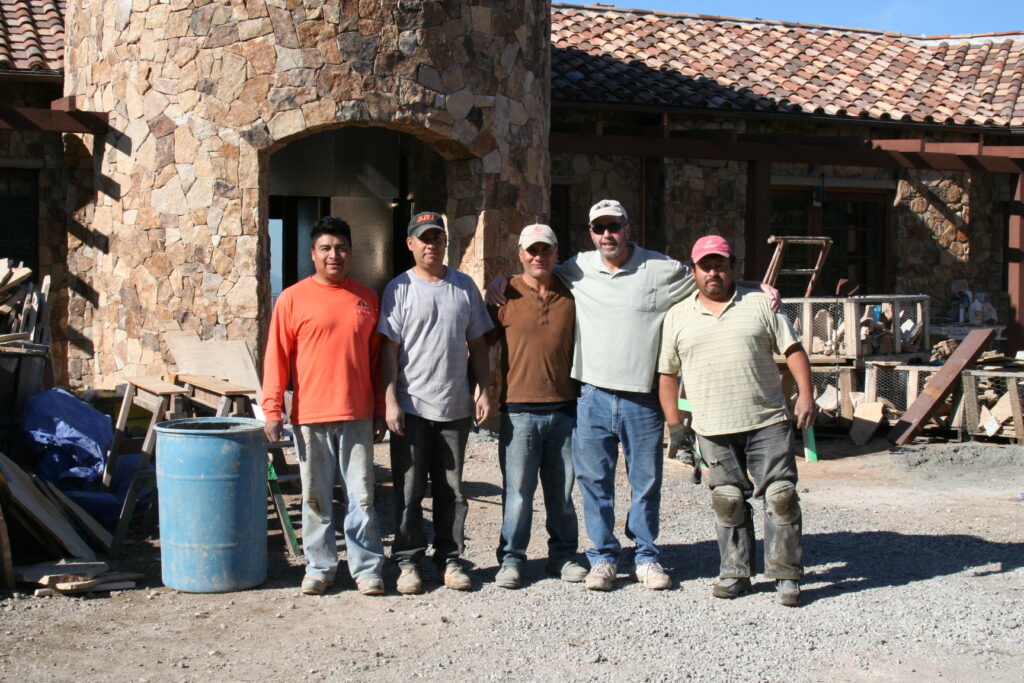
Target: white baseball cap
[
  {"x": 608, "y": 207},
  {"x": 532, "y": 234}
]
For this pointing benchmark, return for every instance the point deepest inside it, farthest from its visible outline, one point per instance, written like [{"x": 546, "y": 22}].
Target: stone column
[{"x": 201, "y": 93}]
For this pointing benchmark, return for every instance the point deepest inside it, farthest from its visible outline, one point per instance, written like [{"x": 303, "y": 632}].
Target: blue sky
[{"x": 916, "y": 17}]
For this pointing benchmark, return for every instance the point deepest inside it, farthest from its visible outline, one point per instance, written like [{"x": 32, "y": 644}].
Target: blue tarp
[{"x": 72, "y": 439}]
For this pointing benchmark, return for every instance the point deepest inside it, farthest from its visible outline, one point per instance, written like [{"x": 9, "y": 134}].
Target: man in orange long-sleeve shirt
[{"x": 322, "y": 339}]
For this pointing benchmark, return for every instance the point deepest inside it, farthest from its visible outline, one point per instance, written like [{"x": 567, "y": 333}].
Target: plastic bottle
[{"x": 976, "y": 313}]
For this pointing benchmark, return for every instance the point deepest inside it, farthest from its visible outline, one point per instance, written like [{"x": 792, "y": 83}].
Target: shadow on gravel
[{"x": 877, "y": 559}]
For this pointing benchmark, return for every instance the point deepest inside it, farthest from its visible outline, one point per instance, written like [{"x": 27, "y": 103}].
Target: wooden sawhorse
[
  {"x": 227, "y": 399},
  {"x": 165, "y": 401}
]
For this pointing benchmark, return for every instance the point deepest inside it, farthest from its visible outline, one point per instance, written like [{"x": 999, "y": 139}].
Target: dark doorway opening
[
  {"x": 19, "y": 216},
  {"x": 373, "y": 178}
]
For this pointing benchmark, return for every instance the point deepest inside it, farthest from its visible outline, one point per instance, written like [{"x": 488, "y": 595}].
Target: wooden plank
[
  {"x": 157, "y": 386},
  {"x": 37, "y": 573},
  {"x": 37, "y": 507},
  {"x": 14, "y": 336},
  {"x": 93, "y": 529},
  {"x": 215, "y": 385},
  {"x": 6, "y": 559},
  {"x": 17, "y": 276},
  {"x": 1013, "y": 390},
  {"x": 91, "y": 584},
  {"x": 866, "y": 419},
  {"x": 939, "y": 386},
  {"x": 231, "y": 360}
]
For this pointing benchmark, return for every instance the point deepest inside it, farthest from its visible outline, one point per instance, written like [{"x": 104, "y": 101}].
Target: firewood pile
[{"x": 25, "y": 362}]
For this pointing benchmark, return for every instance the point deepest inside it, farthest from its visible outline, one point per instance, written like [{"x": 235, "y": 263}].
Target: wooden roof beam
[{"x": 51, "y": 121}]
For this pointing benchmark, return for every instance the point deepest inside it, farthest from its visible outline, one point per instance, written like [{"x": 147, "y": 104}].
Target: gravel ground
[{"x": 914, "y": 572}]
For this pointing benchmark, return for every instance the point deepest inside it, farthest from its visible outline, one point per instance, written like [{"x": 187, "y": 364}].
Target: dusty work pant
[
  {"x": 437, "y": 450},
  {"x": 323, "y": 450},
  {"x": 532, "y": 446},
  {"x": 767, "y": 454}
]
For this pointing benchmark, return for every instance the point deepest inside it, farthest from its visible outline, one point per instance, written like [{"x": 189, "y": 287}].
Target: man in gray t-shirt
[{"x": 433, "y": 321}]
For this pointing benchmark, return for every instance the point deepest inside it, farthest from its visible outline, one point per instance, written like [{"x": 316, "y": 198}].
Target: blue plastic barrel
[{"x": 211, "y": 473}]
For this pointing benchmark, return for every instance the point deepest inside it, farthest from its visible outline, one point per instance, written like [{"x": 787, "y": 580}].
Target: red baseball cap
[{"x": 710, "y": 244}]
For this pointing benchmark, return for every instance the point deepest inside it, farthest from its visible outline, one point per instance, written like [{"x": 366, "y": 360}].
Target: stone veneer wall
[
  {"x": 950, "y": 228},
  {"x": 200, "y": 93}
]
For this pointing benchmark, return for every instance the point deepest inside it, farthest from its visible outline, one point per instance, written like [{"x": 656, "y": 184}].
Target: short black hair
[{"x": 330, "y": 225}]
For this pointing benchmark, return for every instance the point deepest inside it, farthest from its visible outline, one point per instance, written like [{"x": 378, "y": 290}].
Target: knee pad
[
  {"x": 730, "y": 505},
  {"x": 781, "y": 502}
]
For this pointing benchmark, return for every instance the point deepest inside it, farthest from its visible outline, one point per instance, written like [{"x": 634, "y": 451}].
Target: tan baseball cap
[
  {"x": 608, "y": 207},
  {"x": 537, "y": 232}
]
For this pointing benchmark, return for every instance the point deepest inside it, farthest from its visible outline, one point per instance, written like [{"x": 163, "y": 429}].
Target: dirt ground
[{"x": 965, "y": 500}]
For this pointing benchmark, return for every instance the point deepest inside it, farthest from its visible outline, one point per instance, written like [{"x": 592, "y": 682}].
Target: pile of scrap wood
[
  {"x": 38, "y": 519},
  {"x": 73, "y": 577},
  {"x": 25, "y": 362},
  {"x": 876, "y": 331}
]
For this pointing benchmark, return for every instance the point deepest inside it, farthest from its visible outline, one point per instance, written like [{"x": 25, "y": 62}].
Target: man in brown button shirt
[{"x": 538, "y": 410}]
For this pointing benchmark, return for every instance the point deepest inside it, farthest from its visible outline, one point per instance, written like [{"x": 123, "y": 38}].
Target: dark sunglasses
[{"x": 599, "y": 229}]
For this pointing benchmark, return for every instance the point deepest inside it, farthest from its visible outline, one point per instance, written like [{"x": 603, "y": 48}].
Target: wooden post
[
  {"x": 758, "y": 219},
  {"x": 1015, "y": 270}
]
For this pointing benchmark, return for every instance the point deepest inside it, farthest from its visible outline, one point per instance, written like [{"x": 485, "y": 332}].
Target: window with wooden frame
[{"x": 856, "y": 220}]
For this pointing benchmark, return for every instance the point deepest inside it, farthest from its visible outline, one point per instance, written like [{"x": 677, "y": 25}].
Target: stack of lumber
[
  {"x": 73, "y": 577},
  {"x": 54, "y": 524},
  {"x": 25, "y": 362}
]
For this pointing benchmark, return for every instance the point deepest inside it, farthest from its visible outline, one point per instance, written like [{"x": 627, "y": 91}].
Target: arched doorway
[{"x": 373, "y": 178}]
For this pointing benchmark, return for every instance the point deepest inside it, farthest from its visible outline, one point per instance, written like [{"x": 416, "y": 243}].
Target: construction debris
[
  {"x": 26, "y": 367},
  {"x": 72, "y": 578}
]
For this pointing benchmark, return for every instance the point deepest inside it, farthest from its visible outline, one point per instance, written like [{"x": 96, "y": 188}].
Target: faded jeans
[
  {"x": 323, "y": 450},
  {"x": 532, "y": 444},
  {"x": 437, "y": 450},
  {"x": 604, "y": 419}
]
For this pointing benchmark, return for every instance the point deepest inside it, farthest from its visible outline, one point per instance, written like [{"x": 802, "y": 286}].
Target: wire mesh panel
[
  {"x": 993, "y": 403},
  {"x": 833, "y": 389},
  {"x": 860, "y": 327}
]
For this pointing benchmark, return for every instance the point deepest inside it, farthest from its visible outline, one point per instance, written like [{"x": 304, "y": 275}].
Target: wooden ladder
[{"x": 775, "y": 266}]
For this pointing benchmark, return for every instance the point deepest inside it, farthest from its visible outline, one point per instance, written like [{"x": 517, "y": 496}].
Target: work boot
[
  {"x": 456, "y": 579},
  {"x": 509, "y": 576},
  {"x": 731, "y": 588},
  {"x": 409, "y": 582},
  {"x": 315, "y": 585},
  {"x": 788, "y": 592},
  {"x": 652, "y": 575},
  {"x": 370, "y": 585},
  {"x": 602, "y": 576},
  {"x": 568, "y": 570}
]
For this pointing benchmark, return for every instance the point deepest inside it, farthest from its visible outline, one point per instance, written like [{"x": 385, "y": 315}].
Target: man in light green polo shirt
[{"x": 723, "y": 341}]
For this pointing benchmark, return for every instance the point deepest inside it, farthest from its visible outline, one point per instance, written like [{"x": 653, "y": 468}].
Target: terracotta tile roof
[
  {"x": 607, "y": 56},
  {"x": 32, "y": 35}
]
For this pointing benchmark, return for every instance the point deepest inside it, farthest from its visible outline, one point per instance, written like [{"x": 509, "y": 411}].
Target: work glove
[{"x": 682, "y": 439}]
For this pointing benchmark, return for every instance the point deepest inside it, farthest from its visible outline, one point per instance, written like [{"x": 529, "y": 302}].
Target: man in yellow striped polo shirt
[{"x": 723, "y": 342}]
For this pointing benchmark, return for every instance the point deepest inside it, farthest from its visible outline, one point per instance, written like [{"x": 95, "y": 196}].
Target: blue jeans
[
  {"x": 323, "y": 449},
  {"x": 532, "y": 444},
  {"x": 604, "y": 419}
]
